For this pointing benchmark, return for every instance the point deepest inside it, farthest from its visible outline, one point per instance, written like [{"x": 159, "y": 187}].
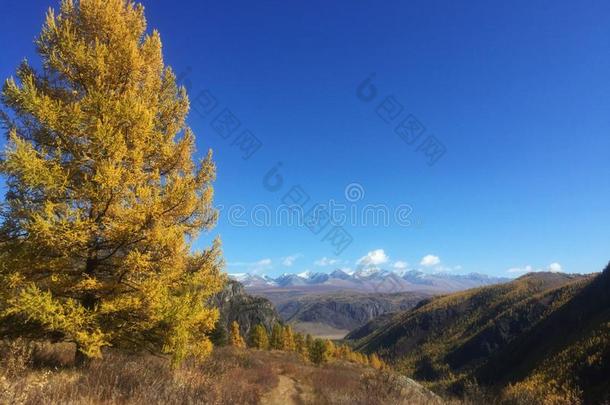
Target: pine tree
[
  {"x": 103, "y": 198},
  {"x": 318, "y": 353},
  {"x": 219, "y": 335},
  {"x": 277, "y": 337},
  {"x": 235, "y": 338},
  {"x": 259, "y": 339}
]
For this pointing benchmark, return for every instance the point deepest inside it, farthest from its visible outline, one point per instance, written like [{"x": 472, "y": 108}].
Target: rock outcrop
[{"x": 248, "y": 310}]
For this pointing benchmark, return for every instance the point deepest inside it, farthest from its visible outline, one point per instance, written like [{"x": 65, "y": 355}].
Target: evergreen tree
[
  {"x": 318, "y": 353},
  {"x": 219, "y": 335},
  {"x": 103, "y": 197},
  {"x": 259, "y": 338},
  {"x": 235, "y": 338},
  {"x": 277, "y": 337}
]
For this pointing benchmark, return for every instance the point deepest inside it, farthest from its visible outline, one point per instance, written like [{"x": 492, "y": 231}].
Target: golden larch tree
[
  {"x": 375, "y": 362},
  {"x": 104, "y": 199},
  {"x": 259, "y": 338},
  {"x": 235, "y": 338},
  {"x": 288, "y": 343}
]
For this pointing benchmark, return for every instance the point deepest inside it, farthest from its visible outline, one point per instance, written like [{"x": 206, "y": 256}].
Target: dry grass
[
  {"x": 44, "y": 374},
  {"x": 31, "y": 376},
  {"x": 342, "y": 382},
  {"x": 345, "y": 383}
]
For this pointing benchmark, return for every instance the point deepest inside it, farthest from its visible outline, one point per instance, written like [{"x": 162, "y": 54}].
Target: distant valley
[{"x": 333, "y": 314}]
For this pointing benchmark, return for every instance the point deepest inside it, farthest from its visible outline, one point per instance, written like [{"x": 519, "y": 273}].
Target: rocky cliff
[{"x": 248, "y": 310}]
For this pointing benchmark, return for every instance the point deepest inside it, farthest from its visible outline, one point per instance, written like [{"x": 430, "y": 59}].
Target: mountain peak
[{"x": 369, "y": 280}]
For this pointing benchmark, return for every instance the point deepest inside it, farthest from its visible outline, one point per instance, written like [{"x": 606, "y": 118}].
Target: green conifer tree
[{"x": 277, "y": 337}]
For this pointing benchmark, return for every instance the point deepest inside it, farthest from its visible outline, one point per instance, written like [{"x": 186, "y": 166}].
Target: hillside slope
[{"x": 542, "y": 332}]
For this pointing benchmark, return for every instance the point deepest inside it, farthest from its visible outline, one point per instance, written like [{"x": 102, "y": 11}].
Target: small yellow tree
[
  {"x": 288, "y": 343},
  {"x": 259, "y": 339},
  {"x": 330, "y": 348},
  {"x": 235, "y": 338},
  {"x": 343, "y": 352},
  {"x": 103, "y": 197},
  {"x": 375, "y": 362}
]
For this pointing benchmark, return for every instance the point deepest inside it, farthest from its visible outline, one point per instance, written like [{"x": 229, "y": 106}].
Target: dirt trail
[{"x": 284, "y": 394}]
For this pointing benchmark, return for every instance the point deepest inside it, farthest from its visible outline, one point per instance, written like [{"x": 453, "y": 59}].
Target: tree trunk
[{"x": 80, "y": 359}]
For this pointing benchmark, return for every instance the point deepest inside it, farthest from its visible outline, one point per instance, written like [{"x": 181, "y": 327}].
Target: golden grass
[{"x": 44, "y": 374}]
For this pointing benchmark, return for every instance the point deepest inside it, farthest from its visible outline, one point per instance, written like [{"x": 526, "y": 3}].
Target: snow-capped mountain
[
  {"x": 253, "y": 280},
  {"x": 368, "y": 279}
]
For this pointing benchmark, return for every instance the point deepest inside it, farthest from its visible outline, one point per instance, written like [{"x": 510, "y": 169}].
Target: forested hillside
[{"x": 542, "y": 335}]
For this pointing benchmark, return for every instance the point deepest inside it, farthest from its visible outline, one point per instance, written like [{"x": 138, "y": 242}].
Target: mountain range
[{"x": 367, "y": 280}]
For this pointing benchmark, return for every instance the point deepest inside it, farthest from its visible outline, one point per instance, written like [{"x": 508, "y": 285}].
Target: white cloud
[
  {"x": 288, "y": 261},
  {"x": 325, "y": 261},
  {"x": 430, "y": 260},
  {"x": 553, "y": 267},
  {"x": 400, "y": 265},
  {"x": 373, "y": 258}
]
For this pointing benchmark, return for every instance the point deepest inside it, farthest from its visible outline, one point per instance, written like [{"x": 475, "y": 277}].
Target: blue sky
[{"x": 517, "y": 93}]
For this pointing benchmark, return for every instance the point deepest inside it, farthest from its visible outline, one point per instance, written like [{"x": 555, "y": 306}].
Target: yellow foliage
[
  {"x": 376, "y": 362},
  {"x": 259, "y": 339},
  {"x": 288, "y": 343},
  {"x": 104, "y": 198},
  {"x": 235, "y": 338}
]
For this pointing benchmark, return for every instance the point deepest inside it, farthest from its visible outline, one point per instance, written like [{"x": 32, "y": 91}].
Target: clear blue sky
[{"x": 518, "y": 92}]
